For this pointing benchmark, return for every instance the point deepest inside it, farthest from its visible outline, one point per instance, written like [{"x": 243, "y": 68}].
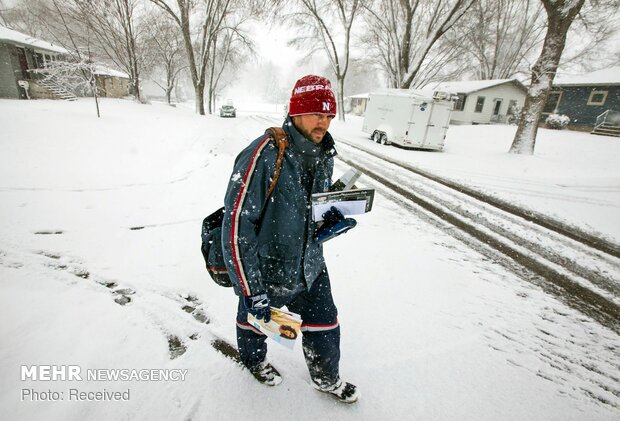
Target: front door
[
  {"x": 497, "y": 107},
  {"x": 23, "y": 63}
]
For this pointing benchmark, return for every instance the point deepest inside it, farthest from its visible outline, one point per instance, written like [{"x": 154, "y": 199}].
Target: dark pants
[{"x": 320, "y": 329}]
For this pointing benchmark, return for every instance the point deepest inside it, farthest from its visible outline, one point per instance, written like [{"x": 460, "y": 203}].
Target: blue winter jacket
[{"x": 280, "y": 256}]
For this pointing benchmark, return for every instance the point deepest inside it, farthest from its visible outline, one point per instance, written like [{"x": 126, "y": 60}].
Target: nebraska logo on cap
[
  {"x": 309, "y": 88},
  {"x": 312, "y": 95}
]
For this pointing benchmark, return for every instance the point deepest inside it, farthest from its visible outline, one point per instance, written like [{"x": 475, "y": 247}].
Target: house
[
  {"x": 585, "y": 97},
  {"x": 111, "y": 83},
  {"x": 483, "y": 101},
  {"x": 19, "y": 55}
]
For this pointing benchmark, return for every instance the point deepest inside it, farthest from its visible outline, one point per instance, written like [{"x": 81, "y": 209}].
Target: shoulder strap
[{"x": 281, "y": 140}]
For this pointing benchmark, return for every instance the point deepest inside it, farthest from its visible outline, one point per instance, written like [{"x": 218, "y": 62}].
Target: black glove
[
  {"x": 332, "y": 217},
  {"x": 334, "y": 224},
  {"x": 258, "y": 306}
]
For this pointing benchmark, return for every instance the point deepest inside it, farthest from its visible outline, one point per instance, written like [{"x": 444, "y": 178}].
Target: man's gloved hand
[
  {"x": 334, "y": 224},
  {"x": 258, "y": 305},
  {"x": 332, "y": 217}
]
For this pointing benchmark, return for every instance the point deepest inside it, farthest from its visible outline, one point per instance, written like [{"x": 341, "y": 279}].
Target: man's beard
[{"x": 315, "y": 135}]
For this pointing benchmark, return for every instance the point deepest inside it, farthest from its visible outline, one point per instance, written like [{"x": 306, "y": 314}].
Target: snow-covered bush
[
  {"x": 557, "y": 121},
  {"x": 513, "y": 115}
]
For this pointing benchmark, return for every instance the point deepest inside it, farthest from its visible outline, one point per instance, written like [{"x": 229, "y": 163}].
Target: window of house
[
  {"x": 460, "y": 103},
  {"x": 479, "y": 104},
  {"x": 38, "y": 60},
  {"x": 553, "y": 101},
  {"x": 597, "y": 98}
]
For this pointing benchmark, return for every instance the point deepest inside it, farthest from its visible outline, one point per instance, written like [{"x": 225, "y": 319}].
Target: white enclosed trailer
[{"x": 409, "y": 118}]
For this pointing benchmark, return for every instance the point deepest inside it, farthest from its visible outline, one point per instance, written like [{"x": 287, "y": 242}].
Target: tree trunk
[
  {"x": 340, "y": 98},
  {"x": 211, "y": 102},
  {"x": 543, "y": 73},
  {"x": 211, "y": 73},
  {"x": 93, "y": 86},
  {"x": 136, "y": 71},
  {"x": 169, "y": 81},
  {"x": 136, "y": 89},
  {"x": 200, "y": 94}
]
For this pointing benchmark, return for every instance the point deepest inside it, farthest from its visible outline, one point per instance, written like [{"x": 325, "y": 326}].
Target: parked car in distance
[{"x": 228, "y": 111}]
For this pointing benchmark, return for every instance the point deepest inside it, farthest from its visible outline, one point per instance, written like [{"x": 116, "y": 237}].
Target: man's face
[{"x": 313, "y": 126}]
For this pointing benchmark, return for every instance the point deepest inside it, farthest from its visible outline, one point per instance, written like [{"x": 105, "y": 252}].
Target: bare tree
[
  {"x": 359, "y": 79},
  {"x": 108, "y": 27},
  {"x": 75, "y": 72},
  {"x": 3, "y": 11},
  {"x": 592, "y": 38},
  {"x": 230, "y": 47},
  {"x": 560, "y": 16},
  {"x": 270, "y": 82},
  {"x": 327, "y": 21},
  {"x": 114, "y": 24},
  {"x": 165, "y": 42},
  {"x": 443, "y": 62},
  {"x": 499, "y": 37},
  {"x": 23, "y": 16},
  {"x": 78, "y": 69},
  {"x": 403, "y": 32},
  {"x": 200, "y": 26}
]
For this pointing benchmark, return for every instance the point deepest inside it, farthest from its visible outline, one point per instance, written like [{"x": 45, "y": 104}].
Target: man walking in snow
[{"x": 269, "y": 244}]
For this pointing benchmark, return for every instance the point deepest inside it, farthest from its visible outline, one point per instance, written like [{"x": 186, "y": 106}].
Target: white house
[{"x": 483, "y": 101}]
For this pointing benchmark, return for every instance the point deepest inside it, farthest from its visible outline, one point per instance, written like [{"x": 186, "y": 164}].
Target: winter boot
[
  {"x": 266, "y": 374},
  {"x": 343, "y": 391}
]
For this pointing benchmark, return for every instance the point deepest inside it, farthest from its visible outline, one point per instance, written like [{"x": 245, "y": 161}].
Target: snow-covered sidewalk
[{"x": 430, "y": 329}]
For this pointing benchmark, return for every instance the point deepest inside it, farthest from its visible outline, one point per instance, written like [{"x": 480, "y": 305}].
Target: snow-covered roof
[
  {"x": 359, "y": 95},
  {"x": 610, "y": 76},
  {"x": 106, "y": 71},
  {"x": 10, "y": 35},
  {"x": 469, "y": 86},
  {"x": 416, "y": 93}
]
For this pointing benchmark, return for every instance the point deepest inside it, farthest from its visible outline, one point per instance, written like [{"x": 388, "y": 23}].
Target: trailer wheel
[
  {"x": 376, "y": 136},
  {"x": 384, "y": 139}
]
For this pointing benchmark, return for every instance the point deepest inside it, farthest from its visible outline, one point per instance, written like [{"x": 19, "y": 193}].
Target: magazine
[
  {"x": 349, "y": 202},
  {"x": 284, "y": 326}
]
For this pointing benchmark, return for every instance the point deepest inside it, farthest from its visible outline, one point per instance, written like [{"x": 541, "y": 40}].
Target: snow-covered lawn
[{"x": 430, "y": 329}]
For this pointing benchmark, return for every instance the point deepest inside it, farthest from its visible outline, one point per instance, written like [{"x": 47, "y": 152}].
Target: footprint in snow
[
  {"x": 58, "y": 262},
  {"x": 192, "y": 306}
]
